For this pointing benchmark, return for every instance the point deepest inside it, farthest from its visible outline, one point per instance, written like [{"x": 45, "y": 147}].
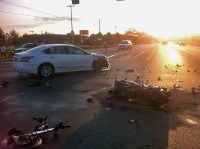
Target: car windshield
[
  {"x": 27, "y": 45},
  {"x": 124, "y": 42}
]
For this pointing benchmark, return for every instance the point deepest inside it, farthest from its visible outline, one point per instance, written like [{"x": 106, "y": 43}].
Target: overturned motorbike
[
  {"x": 19, "y": 139},
  {"x": 125, "y": 90}
]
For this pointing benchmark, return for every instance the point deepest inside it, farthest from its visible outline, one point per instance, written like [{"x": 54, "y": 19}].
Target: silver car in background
[{"x": 125, "y": 44}]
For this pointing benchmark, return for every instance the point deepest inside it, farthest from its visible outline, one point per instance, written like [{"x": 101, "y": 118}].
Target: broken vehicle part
[
  {"x": 4, "y": 84},
  {"x": 125, "y": 90}
]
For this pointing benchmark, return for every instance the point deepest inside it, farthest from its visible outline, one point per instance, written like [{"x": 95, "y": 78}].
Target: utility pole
[
  {"x": 99, "y": 26},
  {"x": 72, "y": 30}
]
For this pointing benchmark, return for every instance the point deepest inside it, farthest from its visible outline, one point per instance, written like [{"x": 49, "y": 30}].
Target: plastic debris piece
[
  {"x": 176, "y": 86},
  {"x": 149, "y": 145},
  {"x": 108, "y": 108},
  {"x": 159, "y": 78},
  {"x": 194, "y": 90},
  {"x": 129, "y": 70},
  {"x": 4, "y": 84},
  {"x": 47, "y": 85},
  {"x": 191, "y": 121},
  {"x": 90, "y": 100},
  {"x": 132, "y": 121}
]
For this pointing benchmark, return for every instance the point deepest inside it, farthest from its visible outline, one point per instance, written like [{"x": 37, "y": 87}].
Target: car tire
[
  {"x": 97, "y": 66},
  {"x": 46, "y": 70}
]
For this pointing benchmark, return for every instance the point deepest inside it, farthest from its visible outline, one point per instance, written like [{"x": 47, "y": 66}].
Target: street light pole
[{"x": 72, "y": 31}]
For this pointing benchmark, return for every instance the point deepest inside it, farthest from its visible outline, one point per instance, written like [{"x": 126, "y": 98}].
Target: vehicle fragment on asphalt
[
  {"x": 130, "y": 70},
  {"x": 47, "y": 85},
  {"x": 90, "y": 100},
  {"x": 153, "y": 95},
  {"x": 4, "y": 84}
]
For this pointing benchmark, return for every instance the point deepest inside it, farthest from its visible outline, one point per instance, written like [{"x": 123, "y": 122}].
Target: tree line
[{"x": 14, "y": 39}]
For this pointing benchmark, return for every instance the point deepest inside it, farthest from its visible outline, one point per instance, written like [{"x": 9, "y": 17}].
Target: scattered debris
[
  {"x": 127, "y": 90},
  {"x": 108, "y": 108},
  {"x": 130, "y": 71},
  {"x": 47, "y": 85},
  {"x": 159, "y": 78},
  {"x": 149, "y": 145},
  {"x": 179, "y": 80},
  {"x": 162, "y": 107},
  {"x": 147, "y": 82},
  {"x": 132, "y": 121},
  {"x": 90, "y": 100},
  {"x": 191, "y": 121},
  {"x": 166, "y": 66},
  {"x": 194, "y": 90},
  {"x": 176, "y": 86},
  {"x": 130, "y": 100},
  {"x": 138, "y": 80},
  {"x": 177, "y": 66},
  {"x": 4, "y": 84}
]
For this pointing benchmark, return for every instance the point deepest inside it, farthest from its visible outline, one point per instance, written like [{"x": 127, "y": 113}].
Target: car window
[
  {"x": 55, "y": 50},
  {"x": 74, "y": 50}
]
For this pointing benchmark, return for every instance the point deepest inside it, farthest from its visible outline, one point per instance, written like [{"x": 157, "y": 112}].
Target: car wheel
[
  {"x": 45, "y": 70},
  {"x": 97, "y": 66}
]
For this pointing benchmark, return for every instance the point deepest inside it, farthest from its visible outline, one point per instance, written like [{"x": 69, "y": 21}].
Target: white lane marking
[{"x": 112, "y": 55}]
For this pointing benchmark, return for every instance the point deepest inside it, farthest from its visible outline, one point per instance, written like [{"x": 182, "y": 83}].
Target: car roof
[
  {"x": 45, "y": 46},
  {"x": 54, "y": 45}
]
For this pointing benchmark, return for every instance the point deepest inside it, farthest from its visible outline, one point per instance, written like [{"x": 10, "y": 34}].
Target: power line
[
  {"x": 20, "y": 14},
  {"x": 24, "y": 7}
]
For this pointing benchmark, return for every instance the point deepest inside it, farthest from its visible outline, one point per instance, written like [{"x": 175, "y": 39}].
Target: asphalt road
[{"x": 104, "y": 123}]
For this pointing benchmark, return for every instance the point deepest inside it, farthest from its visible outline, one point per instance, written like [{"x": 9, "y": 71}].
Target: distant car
[
  {"x": 25, "y": 47},
  {"x": 125, "y": 44},
  {"x": 182, "y": 43},
  {"x": 48, "y": 59},
  {"x": 164, "y": 43}
]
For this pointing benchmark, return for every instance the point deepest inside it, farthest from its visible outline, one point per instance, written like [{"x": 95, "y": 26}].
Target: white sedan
[{"x": 48, "y": 59}]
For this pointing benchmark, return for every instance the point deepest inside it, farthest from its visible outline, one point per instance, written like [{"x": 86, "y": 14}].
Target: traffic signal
[{"x": 75, "y": 2}]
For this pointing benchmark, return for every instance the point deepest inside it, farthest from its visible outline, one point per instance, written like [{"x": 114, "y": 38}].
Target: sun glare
[{"x": 170, "y": 55}]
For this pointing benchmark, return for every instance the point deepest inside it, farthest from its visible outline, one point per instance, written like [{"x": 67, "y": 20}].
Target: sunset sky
[{"x": 161, "y": 18}]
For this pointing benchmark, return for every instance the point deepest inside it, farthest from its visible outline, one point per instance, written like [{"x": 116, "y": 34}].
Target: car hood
[
  {"x": 98, "y": 55},
  {"x": 21, "y": 49},
  {"x": 121, "y": 44}
]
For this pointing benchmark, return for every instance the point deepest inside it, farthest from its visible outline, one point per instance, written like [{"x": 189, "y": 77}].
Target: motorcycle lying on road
[{"x": 19, "y": 139}]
